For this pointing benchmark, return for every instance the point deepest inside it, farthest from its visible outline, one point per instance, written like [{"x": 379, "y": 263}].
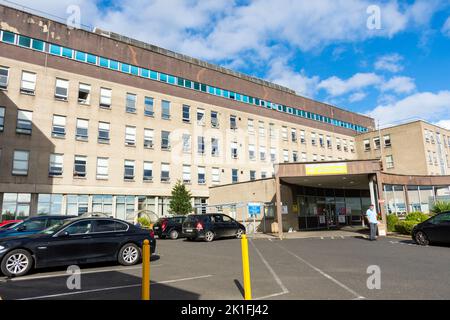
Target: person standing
[{"x": 373, "y": 222}]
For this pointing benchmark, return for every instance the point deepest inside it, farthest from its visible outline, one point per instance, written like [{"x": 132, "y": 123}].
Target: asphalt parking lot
[{"x": 288, "y": 269}]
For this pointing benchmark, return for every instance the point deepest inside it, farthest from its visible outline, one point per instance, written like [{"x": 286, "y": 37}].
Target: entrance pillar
[{"x": 278, "y": 206}]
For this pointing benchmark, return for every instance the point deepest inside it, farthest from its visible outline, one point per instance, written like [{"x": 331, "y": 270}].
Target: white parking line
[
  {"x": 358, "y": 296},
  {"x": 275, "y": 276},
  {"x": 113, "y": 288},
  {"x": 56, "y": 275}
]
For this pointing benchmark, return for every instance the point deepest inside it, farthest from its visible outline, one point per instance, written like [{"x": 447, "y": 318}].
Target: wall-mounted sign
[
  {"x": 322, "y": 219},
  {"x": 326, "y": 168},
  {"x": 284, "y": 210},
  {"x": 295, "y": 207},
  {"x": 254, "y": 208},
  {"x": 341, "y": 219}
]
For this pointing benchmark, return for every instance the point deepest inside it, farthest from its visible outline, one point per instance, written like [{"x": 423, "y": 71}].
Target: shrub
[
  {"x": 405, "y": 227},
  {"x": 144, "y": 221},
  {"x": 392, "y": 220},
  {"x": 441, "y": 206},
  {"x": 417, "y": 217}
]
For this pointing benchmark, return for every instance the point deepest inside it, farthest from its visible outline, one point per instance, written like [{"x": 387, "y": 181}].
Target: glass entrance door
[{"x": 330, "y": 214}]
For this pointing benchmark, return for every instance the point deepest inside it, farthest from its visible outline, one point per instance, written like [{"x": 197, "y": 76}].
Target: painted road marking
[
  {"x": 56, "y": 275},
  {"x": 323, "y": 273},
  {"x": 275, "y": 276},
  {"x": 114, "y": 288}
]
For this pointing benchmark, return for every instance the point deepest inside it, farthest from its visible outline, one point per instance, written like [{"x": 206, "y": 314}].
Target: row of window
[
  {"x": 432, "y": 137},
  {"x": 377, "y": 143},
  {"x": 34, "y": 44},
  {"x": 433, "y": 159},
  {"x": 56, "y": 169}
]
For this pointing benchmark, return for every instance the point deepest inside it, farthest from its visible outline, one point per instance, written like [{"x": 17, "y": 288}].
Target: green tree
[{"x": 180, "y": 203}]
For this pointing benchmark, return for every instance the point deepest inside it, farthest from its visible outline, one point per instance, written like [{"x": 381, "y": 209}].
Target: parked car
[
  {"x": 211, "y": 226},
  {"x": 169, "y": 227},
  {"x": 76, "y": 241},
  {"x": 32, "y": 225},
  {"x": 434, "y": 230},
  {"x": 8, "y": 224}
]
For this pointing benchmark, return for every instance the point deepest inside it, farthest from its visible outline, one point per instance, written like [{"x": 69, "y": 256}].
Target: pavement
[{"x": 308, "y": 268}]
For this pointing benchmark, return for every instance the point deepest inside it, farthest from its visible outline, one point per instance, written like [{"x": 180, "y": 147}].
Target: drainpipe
[{"x": 278, "y": 206}]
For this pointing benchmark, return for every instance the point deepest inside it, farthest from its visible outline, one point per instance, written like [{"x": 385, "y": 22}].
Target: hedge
[
  {"x": 405, "y": 227},
  {"x": 392, "y": 220}
]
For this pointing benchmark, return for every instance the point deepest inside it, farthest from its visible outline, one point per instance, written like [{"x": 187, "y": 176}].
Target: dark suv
[
  {"x": 211, "y": 226},
  {"x": 169, "y": 227}
]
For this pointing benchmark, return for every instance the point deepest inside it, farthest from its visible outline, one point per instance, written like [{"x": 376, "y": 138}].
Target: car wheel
[
  {"x": 174, "y": 234},
  {"x": 129, "y": 254},
  {"x": 209, "y": 236},
  {"x": 239, "y": 233},
  {"x": 17, "y": 263},
  {"x": 421, "y": 238}
]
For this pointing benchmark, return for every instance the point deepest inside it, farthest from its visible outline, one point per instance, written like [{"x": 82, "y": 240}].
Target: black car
[
  {"x": 434, "y": 230},
  {"x": 32, "y": 225},
  {"x": 211, "y": 226},
  {"x": 75, "y": 241},
  {"x": 169, "y": 227}
]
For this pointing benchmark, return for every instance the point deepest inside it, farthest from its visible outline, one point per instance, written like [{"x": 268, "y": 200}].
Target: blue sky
[{"x": 322, "y": 49}]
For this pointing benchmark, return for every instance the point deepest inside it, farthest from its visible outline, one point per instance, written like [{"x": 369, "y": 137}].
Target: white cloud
[
  {"x": 282, "y": 74},
  {"x": 446, "y": 27},
  {"x": 357, "y": 96},
  {"x": 336, "y": 86},
  {"x": 399, "y": 85},
  {"x": 390, "y": 62},
  {"x": 429, "y": 106},
  {"x": 444, "y": 124}
]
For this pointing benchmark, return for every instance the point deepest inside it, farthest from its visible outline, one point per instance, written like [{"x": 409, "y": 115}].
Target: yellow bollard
[
  {"x": 246, "y": 268},
  {"x": 146, "y": 270}
]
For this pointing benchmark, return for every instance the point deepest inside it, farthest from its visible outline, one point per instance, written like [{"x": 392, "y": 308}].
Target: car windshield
[{"x": 54, "y": 228}]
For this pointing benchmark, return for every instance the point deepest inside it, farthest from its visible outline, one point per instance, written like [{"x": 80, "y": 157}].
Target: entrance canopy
[{"x": 356, "y": 181}]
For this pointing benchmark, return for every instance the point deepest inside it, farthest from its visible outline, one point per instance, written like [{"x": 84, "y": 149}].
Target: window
[
  {"x": 262, "y": 153},
  {"x": 165, "y": 140},
  {"x": 251, "y": 151},
  {"x": 4, "y": 78},
  {"x": 165, "y": 172},
  {"x": 214, "y": 147},
  {"x": 214, "y": 119},
  {"x": 261, "y": 130},
  {"x": 148, "y": 171},
  {"x": 82, "y": 227},
  {"x": 55, "y": 165},
  {"x": 234, "y": 150},
  {"x": 186, "y": 143},
  {"x": 329, "y": 145},
  {"x": 130, "y": 136},
  {"x": 313, "y": 138},
  {"x": 80, "y": 166},
  {"x": 28, "y": 83},
  {"x": 233, "y": 123},
  {"x": 294, "y": 156},
  {"x": 105, "y": 98},
  {"x": 315, "y": 157},
  {"x": 250, "y": 127},
  {"x": 84, "y": 93},
  {"x": 128, "y": 170},
  {"x": 62, "y": 89},
  {"x": 186, "y": 174},
  {"x": 148, "y": 107},
  {"x": 102, "y": 168},
  {"x": 252, "y": 175},
  {"x": 82, "y": 129},
  {"x": 321, "y": 141},
  {"x": 366, "y": 145},
  {"x": 272, "y": 133},
  {"x": 24, "y": 122},
  {"x": 338, "y": 144},
  {"x": 148, "y": 138},
  {"x": 16, "y": 205},
  {"x": 304, "y": 157},
  {"x": 200, "y": 145},
  {"x": 285, "y": 155},
  {"x": 387, "y": 140},
  {"x": 215, "y": 175},
  {"x": 130, "y": 103},
  {"x": 103, "y": 132},
  {"x": 124, "y": 207},
  {"x": 165, "y": 109},
  {"x": 20, "y": 162},
  {"x": 352, "y": 146},
  {"x": 345, "y": 145},
  {"x": 389, "y": 162},
  {"x": 234, "y": 176},
  {"x": 200, "y": 117},
  {"x": 2, "y": 119},
  {"x": 376, "y": 143},
  {"x": 186, "y": 114},
  {"x": 302, "y": 136},
  {"x": 430, "y": 157},
  {"x": 77, "y": 204},
  {"x": 201, "y": 175},
  {"x": 293, "y": 135},
  {"x": 50, "y": 204},
  {"x": 273, "y": 154},
  {"x": 284, "y": 133},
  {"x": 263, "y": 174}
]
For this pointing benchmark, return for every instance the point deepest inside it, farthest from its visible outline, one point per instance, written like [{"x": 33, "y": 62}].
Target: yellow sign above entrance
[{"x": 325, "y": 168}]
